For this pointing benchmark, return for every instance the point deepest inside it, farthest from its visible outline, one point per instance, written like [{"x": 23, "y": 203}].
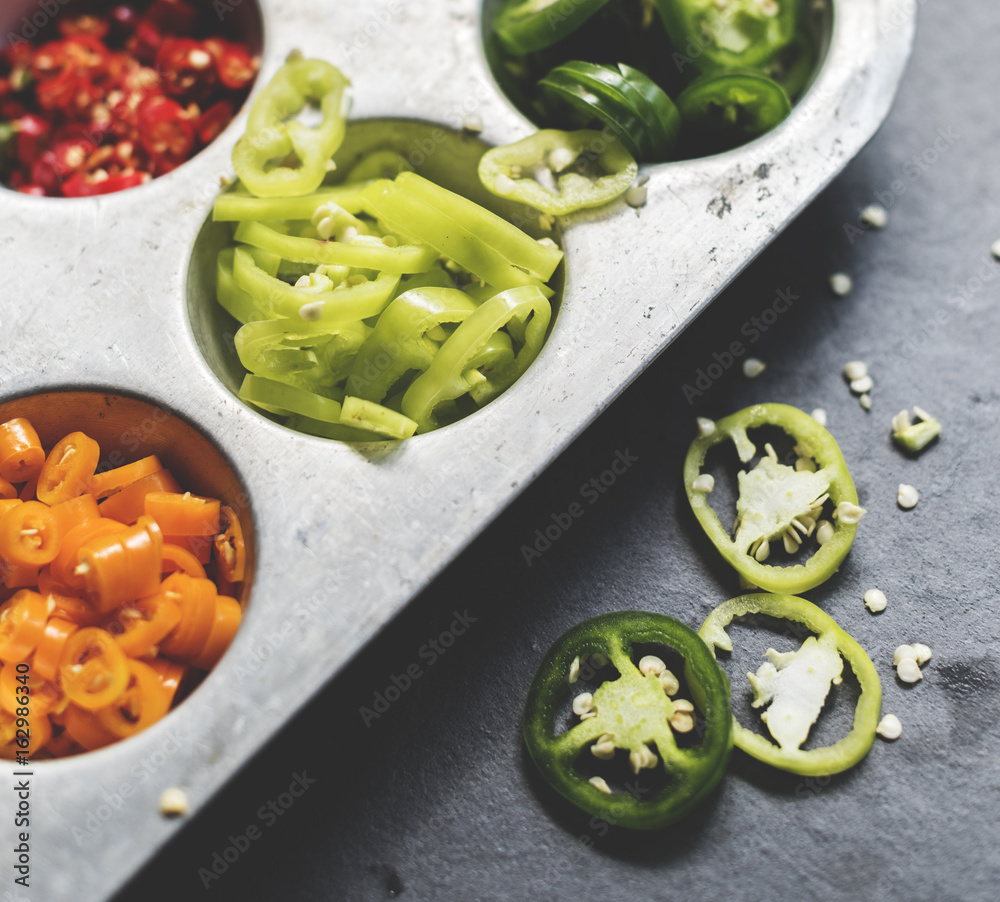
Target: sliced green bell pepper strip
[
  {"x": 727, "y": 108},
  {"x": 635, "y": 711},
  {"x": 450, "y": 374},
  {"x": 407, "y": 214},
  {"x": 236, "y": 206},
  {"x": 497, "y": 357},
  {"x": 343, "y": 304},
  {"x": 523, "y": 26},
  {"x": 337, "y": 431},
  {"x": 272, "y": 135},
  {"x": 515, "y": 246},
  {"x": 380, "y": 164},
  {"x": 239, "y": 304},
  {"x": 737, "y": 33},
  {"x": 818, "y": 762},
  {"x": 505, "y": 171},
  {"x": 405, "y": 258},
  {"x": 372, "y": 417},
  {"x": 399, "y": 342},
  {"x": 310, "y": 355},
  {"x": 776, "y": 499},
  {"x": 283, "y": 399}
]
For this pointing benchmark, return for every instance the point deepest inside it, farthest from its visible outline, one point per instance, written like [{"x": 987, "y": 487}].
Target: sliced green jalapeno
[
  {"x": 526, "y": 25},
  {"x": 724, "y": 109},
  {"x": 795, "y": 684},
  {"x": 779, "y": 501},
  {"x": 636, "y": 712}
]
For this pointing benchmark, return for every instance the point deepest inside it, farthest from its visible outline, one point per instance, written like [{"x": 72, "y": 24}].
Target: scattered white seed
[
  {"x": 763, "y": 551},
  {"x": 819, "y": 415},
  {"x": 995, "y": 249},
  {"x": 874, "y": 215},
  {"x": 902, "y": 652},
  {"x": 200, "y": 59},
  {"x": 790, "y": 541},
  {"x": 312, "y": 312},
  {"x": 669, "y": 683},
  {"x": 583, "y": 705},
  {"x": 907, "y": 496},
  {"x": 824, "y": 532},
  {"x": 752, "y": 367},
  {"x": 889, "y": 727},
  {"x": 875, "y": 600},
  {"x": 841, "y": 284},
  {"x": 472, "y": 124},
  {"x": 546, "y": 221},
  {"x": 704, "y": 483},
  {"x": 863, "y": 385},
  {"x": 642, "y": 758},
  {"x": 574, "y": 671},
  {"x": 601, "y": 784},
  {"x": 855, "y": 369},
  {"x": 865, "y": 401},
  {"x": 923, "y": 653},
  {"x": 805, "y": 464},
  {"x": 705, "y": 427},
  {"x": 636, "y": 197},
  {"x": 604, "y": 748},
  {"x": 909, "y": 671},
  {"x": 651, "y": 665},
  {"x": 173, "y": 802},
  {"x": 599, "y": 660},
  {"x": 682, "y": 722},
  {"x": 561, "y": 158},
  {"x": 849, "y": 513}
]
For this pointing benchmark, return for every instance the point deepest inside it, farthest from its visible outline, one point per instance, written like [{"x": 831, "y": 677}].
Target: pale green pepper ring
[
  {"x": 831, "y": 759},
  {"x": 507, "y": 171},
  {"x": 831, "y": 466}
]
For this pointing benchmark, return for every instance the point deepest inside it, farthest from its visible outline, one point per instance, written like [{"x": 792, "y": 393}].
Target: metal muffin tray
[{"x": 108, "y": 297}]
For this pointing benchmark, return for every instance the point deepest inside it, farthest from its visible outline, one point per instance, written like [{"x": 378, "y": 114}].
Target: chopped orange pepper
[
  {"x": 197, "y": 600},
  {"x": 43, "y": 696},
  {"x": 230, "y": 547},
  {"x": 183, "y": 515},
  {"x": 111, "y": 481},
  {"x": 138, "y": 627},
  {"x": 228, "y": 615},
  {"x": 28, "y": 489},
  {"x": 68, "y": 469},
  {"x": 70, "y": 607},
  {"x": 177, "y": 558},
  {"x": 21, "y": 454},
  {"x": 122, "y": 566},
  {"x": 39, "y": 732},
  {"x": 171, "y": 675},
  {"x": 93, "y": 670},
  {"x": 145, "y": 701},
  {"x": 75, "y": 511},
  {"x": 7, "y": 491},
  {"x": 18, "y": 576},
  {"x": 199, "y": 547},
  {"x": 86, "y": 730},
  {"x": 22, "y": 622},
  {"x": 129, "y": 504},
  {"x": 30, "y": 535},
  {"x": 63, "y": 568},
  {"x": 49, "y": 649}
]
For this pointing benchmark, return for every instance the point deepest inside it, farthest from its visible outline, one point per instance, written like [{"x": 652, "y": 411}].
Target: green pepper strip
[
  {"x": 501, "y": 168},
  {"x": 635, "y": 710},
  {"x": 282, "y": 399},
  {"x": 270, "y": 136},
  {"x": 450, "y": 374},
  {"x": 343, "y": 304},
  {"x": 524, "y": 26},
  {"x": 741, "y": 33},
  {"x": 312, "y": 356},
  {"x": 372, "y": 417},
  {"x": 380, "y": 164},
  {"x": 236, "y": 206},
  {"x": 832, "y": 468},
  {"x": 406, "y": 258},
  {"x": 336, "y": 431},
  {"x": 515, "y": 246},
  {"x": 239, "y": 304},
  {"x": 494, "y": 359},
  {"x": 831, "y": 759},
  {"x": 425, "y": 223},
  {"x": 399, "y": 342}
]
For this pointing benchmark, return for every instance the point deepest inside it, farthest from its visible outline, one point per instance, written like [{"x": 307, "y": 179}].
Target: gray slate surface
[{"x": 435, "y": 800}]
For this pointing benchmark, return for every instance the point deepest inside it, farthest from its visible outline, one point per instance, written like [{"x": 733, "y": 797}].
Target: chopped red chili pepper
[{"x": 111, "y": 97}]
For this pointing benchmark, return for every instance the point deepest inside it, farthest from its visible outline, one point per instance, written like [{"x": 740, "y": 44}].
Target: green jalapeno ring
[
  {"x": 803, "y": 428},
  {"x": 844, "y": 753},
  {"x": 693, "y": 771},
  {"x": 523, "y": 26}
]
